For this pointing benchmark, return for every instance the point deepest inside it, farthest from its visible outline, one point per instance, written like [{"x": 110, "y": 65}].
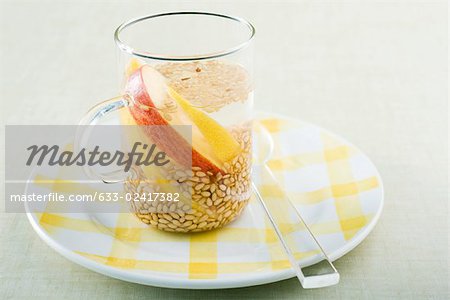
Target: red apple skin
[{"x": 164, "y": 136}]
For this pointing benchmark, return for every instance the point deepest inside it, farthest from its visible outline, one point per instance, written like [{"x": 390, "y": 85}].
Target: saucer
[{"x": 333, "y": 185}]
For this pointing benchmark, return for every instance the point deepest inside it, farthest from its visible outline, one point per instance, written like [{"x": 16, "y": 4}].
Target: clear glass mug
[{"x": 195, "y": 69}]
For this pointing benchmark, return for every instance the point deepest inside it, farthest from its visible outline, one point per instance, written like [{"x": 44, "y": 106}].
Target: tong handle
[{"x": 318, "y": 275}]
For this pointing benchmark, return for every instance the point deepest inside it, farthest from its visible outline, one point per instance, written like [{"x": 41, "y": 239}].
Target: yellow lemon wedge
[
  {"x": 223, "y": 144},
  {"x": 133, "y": 65}
]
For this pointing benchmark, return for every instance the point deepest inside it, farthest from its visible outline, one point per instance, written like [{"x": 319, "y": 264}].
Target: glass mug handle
[{"x": 92, "y": 117}]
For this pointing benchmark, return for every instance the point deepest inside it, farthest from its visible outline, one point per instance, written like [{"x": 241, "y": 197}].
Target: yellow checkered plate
[{"x": 334, "y": 185}]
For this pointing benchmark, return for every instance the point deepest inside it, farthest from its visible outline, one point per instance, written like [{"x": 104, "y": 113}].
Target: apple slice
[{"x": 212, "y": 145}]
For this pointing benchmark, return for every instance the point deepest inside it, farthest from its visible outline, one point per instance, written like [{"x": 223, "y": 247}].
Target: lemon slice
[
  {"x": 223, "y": 144},
  {"x": 133, "y": 65}
]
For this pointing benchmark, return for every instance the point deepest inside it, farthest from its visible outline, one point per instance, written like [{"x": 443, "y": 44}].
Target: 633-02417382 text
[{"x": 97, "y": 196}]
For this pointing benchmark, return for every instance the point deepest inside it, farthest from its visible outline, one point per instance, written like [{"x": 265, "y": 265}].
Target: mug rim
[{"x": 128, "y": 49}]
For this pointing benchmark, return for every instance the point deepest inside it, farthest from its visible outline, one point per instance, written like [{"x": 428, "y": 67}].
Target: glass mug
[{"x": 194, "y": 69}]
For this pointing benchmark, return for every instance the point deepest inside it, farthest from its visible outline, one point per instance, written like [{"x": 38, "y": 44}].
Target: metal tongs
[{"x": 279, "y": 209}]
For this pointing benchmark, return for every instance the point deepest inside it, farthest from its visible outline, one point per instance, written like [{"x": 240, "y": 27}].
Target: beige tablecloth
[{"x": 374, "y": 72}]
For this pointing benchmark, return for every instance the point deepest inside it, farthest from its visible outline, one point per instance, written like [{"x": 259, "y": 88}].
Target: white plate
[{"x": 333, "y": 184}]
